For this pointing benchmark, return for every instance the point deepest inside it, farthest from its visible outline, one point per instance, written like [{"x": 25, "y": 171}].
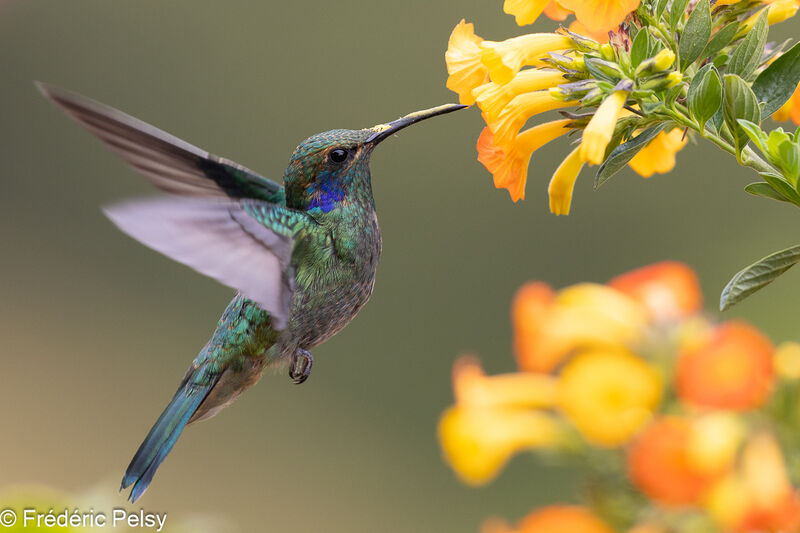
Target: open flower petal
[{"x": 464, "y": 62}]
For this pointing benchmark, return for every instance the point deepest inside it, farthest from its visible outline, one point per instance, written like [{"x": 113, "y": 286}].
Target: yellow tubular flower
[
  {"x": 510, "y": 167},
  {"x": 659, "y": 154},
  {"x": 478, "y": 442},
  {"x": 598, "y": 132},
  {"x": 473, "y": 388},
  {"x": 562, "y": 183},
  {"x": 517, "y": 112},
  {"x": 493, "y": 97},
  {"x": 464, "y": 63},
  {"x": 524, "y": 11},
  {"x": 609, "y": 395},
  {"x": 600, "y": 15},
  {"x": 505, "y": 58},
  {"x": 779, "y": 11}
]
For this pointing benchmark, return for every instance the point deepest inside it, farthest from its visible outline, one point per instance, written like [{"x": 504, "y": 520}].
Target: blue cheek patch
[{"x": 326, "y": 193}]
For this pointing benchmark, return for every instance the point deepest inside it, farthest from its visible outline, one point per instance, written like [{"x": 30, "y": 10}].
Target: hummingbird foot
[{"x": 300, "y": 367}]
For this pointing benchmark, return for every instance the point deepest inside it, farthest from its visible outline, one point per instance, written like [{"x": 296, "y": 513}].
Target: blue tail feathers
[{"x": 162, "y": 437}]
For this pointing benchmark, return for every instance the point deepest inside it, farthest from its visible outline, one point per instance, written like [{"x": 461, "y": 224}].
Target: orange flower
[
  {"x": 758, "y": 496},
  {"x": 580, "y": 29},
  {"x": 733, "y": 369},
  {"x": 608, "y": 394},
  {"x": 494, "y": 418},
  {"x": 518, "y": 111},
  {"x": 524, "y": 11},
  {"x": 493, "y": 97},
  {"x": 510, "y": 167},
  {"x": 659, "y": 464},
  {"x": 790, "y": 110},
  {"x": 563, "y": 519},
  {"x": 463, "y": 58},
  {"x": 600, "y": 15},
  {"x": 505, "y": 58},
  {"x": 554, "y": 11},
  {"x": 669, "y": 290},
  {"x": 659, "y": 154},
  {"x": 548, "y": 327}
]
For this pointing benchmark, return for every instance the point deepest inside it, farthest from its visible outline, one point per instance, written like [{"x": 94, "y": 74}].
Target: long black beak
[{"x": 384, "y": 130}]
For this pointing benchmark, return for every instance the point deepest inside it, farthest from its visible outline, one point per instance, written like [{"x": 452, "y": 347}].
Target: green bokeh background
[{"x": 97, "y": 330}]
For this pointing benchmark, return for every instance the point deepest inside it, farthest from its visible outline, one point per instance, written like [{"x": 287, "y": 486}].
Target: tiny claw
[{"x": 300, "y": 367}]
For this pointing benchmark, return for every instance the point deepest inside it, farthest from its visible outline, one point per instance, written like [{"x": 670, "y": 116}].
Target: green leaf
[
  {"x": 790, "y": 160},
  {"x": 720, "y": 40},
  {"x": 661, "y": 5},
  {"x": 756, "y": 134},
  {"x": 676, "y": 12},
  {"x": 705, "y": 94},
  {"x": 776, "y": 83},
  {"x": 739, "y": 102},
  {"x": 624, "y": 153},
  {"x": 695, "y": 34},
  {"x": 782, "y": 186},
  {"x": 750, "y": 51},
  {"x": 640, "y": 49},
  {"x": 764, "y": 190},
  {"x": 757, "y": 276}
]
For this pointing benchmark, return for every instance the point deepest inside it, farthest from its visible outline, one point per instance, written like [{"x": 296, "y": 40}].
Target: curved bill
[{"x": 384, "y": 130}]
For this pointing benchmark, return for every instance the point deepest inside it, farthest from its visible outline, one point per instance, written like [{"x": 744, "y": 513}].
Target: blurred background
[{"x": 96, "y": 330}]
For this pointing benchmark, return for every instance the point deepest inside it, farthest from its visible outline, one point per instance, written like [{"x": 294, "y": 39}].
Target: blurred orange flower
[
  {"x": 549, "y": 326},
  {"x": 609, "y": 395},
  {"x": 659, "y": 463},
  {"x": 732, "y": 369},
  {"x": 669, "y": 290},
  {"x": 494, "y": 418},
  {"x": 758, "y": 496},
  {"x": 563, "y": 519},
  {"x": 790, "y": 110}
]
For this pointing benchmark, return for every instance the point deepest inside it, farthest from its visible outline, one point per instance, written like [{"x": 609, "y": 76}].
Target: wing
[
  {"x": 220, "y": 239},
  {"x": 169, "y": 163}
]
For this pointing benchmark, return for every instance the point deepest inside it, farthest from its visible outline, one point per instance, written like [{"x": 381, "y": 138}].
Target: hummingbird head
[{"x": 332, "y": 168}]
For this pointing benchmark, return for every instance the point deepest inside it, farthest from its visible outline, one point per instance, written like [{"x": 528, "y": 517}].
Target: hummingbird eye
[{"x": 338, "y": 155}]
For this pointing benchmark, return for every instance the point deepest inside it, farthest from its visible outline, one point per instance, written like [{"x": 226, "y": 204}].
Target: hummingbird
[{"x": 301, "y": 256}]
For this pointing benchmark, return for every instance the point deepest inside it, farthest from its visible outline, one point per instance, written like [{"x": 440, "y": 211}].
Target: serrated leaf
[
  {"x": 720, "y": 40},
  {"x": 676, "y": 12},
  {"x": 764, "y": 190},
  {"x": 695, "y": 34},
  {"x": 776, "y": 83},
  {"x": 623, "y": 153},
  {"x": 705, "y": 94},
  {"x": 757, "y": 276},
  {"x": 750, "y": 51},
  {"x": 739, "y": 102}
]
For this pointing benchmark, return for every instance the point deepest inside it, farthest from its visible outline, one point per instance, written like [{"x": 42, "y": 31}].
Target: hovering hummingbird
[{"x": 302, "y": 256}]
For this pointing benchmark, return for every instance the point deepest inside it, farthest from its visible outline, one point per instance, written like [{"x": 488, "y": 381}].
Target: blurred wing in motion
[
  {"x": 218, "y": 239},
  {"x": 168, "y": 162}
]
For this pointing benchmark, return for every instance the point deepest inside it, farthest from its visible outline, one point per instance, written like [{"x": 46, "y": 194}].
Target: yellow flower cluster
[
  {"x": 493, "y": 75},
  {"x": 514, "y": 80},
  {"x": 632, "y": 369}
]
